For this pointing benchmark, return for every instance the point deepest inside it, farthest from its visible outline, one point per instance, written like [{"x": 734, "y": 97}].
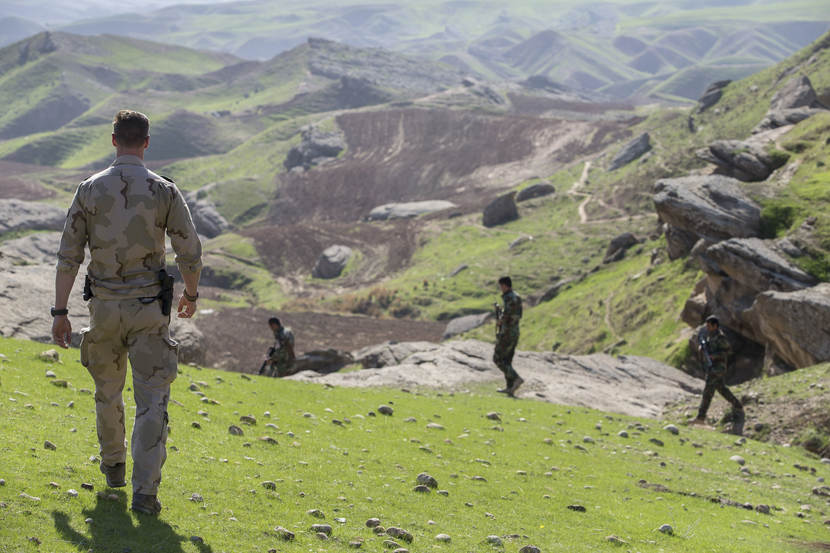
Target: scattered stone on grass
[
  {"x": 530, "y": 549},
  {"x": 316, "y": 513},
  {"x": 399, "y": 533},
  {"x": 622, "y": 434},
  {"x": 54, "y": 485},
  {"x": 672, "y": 429},
  {"x": 60, "y": 383},
  {"x": 435, "y": 426},
  {"x": 390, "y": 544},
  {"x": 615, "y": 540},
  {"x": 24, "y": 495},
  {"x": 444, "y": 492},
  {"x": 248, "y": 419},
  {"x": 234, "y": 430},
  {"x": 35, "y": 540},
  {"x": 87, "y": 486},
  {"x": 738, "y": 459},
  {"x": 269, "y": 440},
  {"x": 443, "y": 538},
  {"x": 421, "y": 489},
  {"x": 49, "y": 356},
  {"x": 51, "y": 374},
  {"x": 196, "y": 498},
  {"x": 493, "y": 416},
  {"x": 197, "y": 540},
  {"x": 72, "y": 493},
  {"x": 656, "y": 442},
  {"x": 479, "y": 479},
  {"x": 379, "y": 530},
  {"x": 588, "y": 440},
  {"x": 269, "y": 485},
  {"x": 49, "y": 445},
  {"x": 321, "y": 529},
  {"x": 384, "y": 410},
  {"x": 427, "y": 480},
  {"x": 666, "y": 529},
  {"x": 373, "y": 523},
  {"x": 196, "y": 425},
  {"x": 763, "y": 509},
  {"x": 356, "y": 543},
  {"x": 494, "y": 540},
  {"x": 284, "y": 534},
  {"x": 577, "y": 508}
]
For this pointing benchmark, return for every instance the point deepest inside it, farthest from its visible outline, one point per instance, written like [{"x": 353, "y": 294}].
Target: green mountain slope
[{"x": 560, "y": 478}]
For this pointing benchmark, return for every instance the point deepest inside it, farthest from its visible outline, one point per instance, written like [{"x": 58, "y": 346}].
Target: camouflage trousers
[
  {"x": 715, "y": 382},
  {"x": 279, "y": 369},
  {"x": 129, "y": 328},
  {"x": 506, "y": 342}
]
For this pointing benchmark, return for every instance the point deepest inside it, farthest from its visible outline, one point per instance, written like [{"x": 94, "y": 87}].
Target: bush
[{"x": 776, "y": 218}]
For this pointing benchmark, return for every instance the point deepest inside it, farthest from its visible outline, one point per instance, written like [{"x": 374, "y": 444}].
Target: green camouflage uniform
[
  {"x": 719, "y": 350},
  {"x": 282, "y": 358},
  {"x": 122, "y": 214},
  {"x": 507, "y": 336}
]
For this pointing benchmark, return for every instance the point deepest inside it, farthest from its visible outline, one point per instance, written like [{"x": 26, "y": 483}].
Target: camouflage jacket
[
  {"x": 122, "y": 214},
  {"x": 718, "y": 349},
  {"x": 283, "y": 347},
  {"x": 512, "y": 311}
]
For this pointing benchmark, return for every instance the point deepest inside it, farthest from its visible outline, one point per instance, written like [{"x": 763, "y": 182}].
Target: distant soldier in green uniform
[
  {"x": 123, "y": 214},
  {"x": 507, "y": 335},
  {"x": 280, "y": 359},
  {"x": 714, "y": 349}
]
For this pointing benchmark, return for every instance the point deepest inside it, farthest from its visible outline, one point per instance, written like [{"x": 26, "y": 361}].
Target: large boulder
[
  {"x": 598, "y": 381},
  {"x": 332, "y": 261},
  {"x": 679, "y": 242},
  {"x": 618, "y": 246},
  {"x": 631, "y": 151},
  {"x": 408, "y": 210},
  {"x": 191, "y": 340},
  {"x": 322, "y": 361},
  {"x": 460, "y": 325},
  {"x": 501, "y": 210},
  {"x": 206, "y": 218},
  {"x": 743, "y": 160},
  {"x": 711, "y": 95},
  {"x": 316, "y": 146},
  {"x": 795, "y": 324},
  {"x": 795, "y": 101},
  {"x": 17, "y": 215},
  {"x": 712, "y": 207},
  {"x": 535, "y": 191}
]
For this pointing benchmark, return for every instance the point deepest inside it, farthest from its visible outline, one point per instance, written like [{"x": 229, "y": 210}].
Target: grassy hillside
[
  {"x": 515, "y": 478},
  {"x": 573, "y": 43}
]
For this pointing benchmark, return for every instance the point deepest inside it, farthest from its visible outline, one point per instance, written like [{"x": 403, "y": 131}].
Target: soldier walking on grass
[
  {"x": 713, "y": 348},
  {"x": 280, "y": 359},
  {"x": 122, "y": 214},
  {"x": 507, "y": 335}
]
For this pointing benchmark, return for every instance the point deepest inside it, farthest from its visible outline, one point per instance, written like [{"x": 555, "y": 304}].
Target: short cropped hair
[
  {"x": 274, "y": 321},
  {"x": 130, "y": 128},
  {"x": 713, "y": 320},
  {"x": 506, "y": 281}
]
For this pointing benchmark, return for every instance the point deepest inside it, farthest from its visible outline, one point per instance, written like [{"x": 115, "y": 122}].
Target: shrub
[{"x": 776, "y": 218}]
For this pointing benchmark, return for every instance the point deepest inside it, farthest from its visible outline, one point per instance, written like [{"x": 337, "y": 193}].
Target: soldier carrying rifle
[
  {"x": 713, "y": 348},
  {"x": 280, "y": 359},
  {"x": 507, "y": 335}
]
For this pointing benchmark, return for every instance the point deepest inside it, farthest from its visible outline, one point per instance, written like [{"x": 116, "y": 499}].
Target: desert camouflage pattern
[
  {"x": 122, "y": 213},
  {"x": 282, "y": 360},
  {"x": 508, "y": 335},
  {"x": 122, "y": 329}
]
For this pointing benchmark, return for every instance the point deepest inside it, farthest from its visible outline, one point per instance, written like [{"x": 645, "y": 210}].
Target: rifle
[
  {"x": 267, "y": 361},
  {"x": 703, "y": 346},
  {"x": 499, "y": 313}
]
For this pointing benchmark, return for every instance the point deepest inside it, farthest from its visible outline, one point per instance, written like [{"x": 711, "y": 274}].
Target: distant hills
[{"x": 622, "y": 48}]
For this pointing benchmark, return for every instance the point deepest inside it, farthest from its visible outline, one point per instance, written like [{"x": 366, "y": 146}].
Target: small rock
[
  {"x": 385, "y": 410},
  {"x": 51, "y": 374},
  {"x": 379, "y": 530},
  {"x": 577, "y": 508},
  {"x": 72, "y": 493},
  {"x": 738, "y": 459},
  {"x": 235, "y": 430},
  {"x": 49, "y": 445},
  {"x": 87, "y": 486},
  {"x": 672, "y": 429},
  {"x": 493, "y": 416},
  {"x": 248, "y": 419},
  {"x": 763, "y": 509},
  {"x": 389, "y": 544},
  {"x": 373, "y": 523},
  {"x": 269, "y": 485},
  {"x": 54, "y": 485},
  {"x": 197, "y": 498},
  {"x": 427, "y": 480},
  {"x": 321, "y": 529},
  {"x": 49, "y": 356},
  {"x": 284, "y": 534},
  {"x": 435, "y": 426},
  {"x": 322, "y": 536},
  {"x": 399, "y": 533},
  {"x": 88, "y": 520},
  {"x": 196, "y": 425},
  {"x": 29, "y": 497},
  {"x": 316, "y": 513},
  {"x": 530, "y": 549},
  {"x": 666, "y": 529},
  {"x": 35, "y": 540},
  {"x": 443, "y": 538},
  {"x": 197, "y": 539},
  {"x": 443, "y": 492},
  {"x": 615, "y": 540},
  {"x": 494, "y": 540},
  {"x": 656, "y": 442},
  {"x": 421, "y": 489},
  {"x": 588, "y": 440},
  {"x": 269, "y": 440}
]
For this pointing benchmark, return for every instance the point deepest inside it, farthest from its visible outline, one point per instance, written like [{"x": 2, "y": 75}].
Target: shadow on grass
[{"x": 112, "y": 530}]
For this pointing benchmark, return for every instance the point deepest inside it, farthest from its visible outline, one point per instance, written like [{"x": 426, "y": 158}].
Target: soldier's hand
[
  {"x": 62, "y": 331},
  {"x": 187, "y": 308}
]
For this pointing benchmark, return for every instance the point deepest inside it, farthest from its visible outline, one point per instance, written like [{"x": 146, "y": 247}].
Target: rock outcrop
[
  {"x": 322, "y": 361},
  {"x": 18, "y": 215},
  {"x": 631, "y": 151},
  {"x": 793, "y": 103},
  {"x": 207, "y": 219},
  {"x": 191, "y": 340},
  {"x": 535, "y": 191},
  {"x": 618, "y": 246},
  {"x": 460, "y": 325},
  {"x": 501, "y": 210},
  {"x": 332, "y": 261},
  {"x": 711, "y": 95},
  {"x": 316, "y": 146},
  {"x": 408, "y": 210},
  {"x": 742, "y": 160},
  {"x": 711, "y": 207},
  {"x": 598, "y": 381},
  {"x": 795, "y": 325}
]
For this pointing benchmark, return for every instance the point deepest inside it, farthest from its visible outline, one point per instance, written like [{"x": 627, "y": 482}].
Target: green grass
[{"x": 366, "y": 468}]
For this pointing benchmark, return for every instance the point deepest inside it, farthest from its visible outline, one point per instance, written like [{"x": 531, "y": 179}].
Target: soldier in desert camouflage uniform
[
  {"x": 281, "y": 355},
  {"x": 122, "y": 214},
  {"x": 507, "y": 335}
]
